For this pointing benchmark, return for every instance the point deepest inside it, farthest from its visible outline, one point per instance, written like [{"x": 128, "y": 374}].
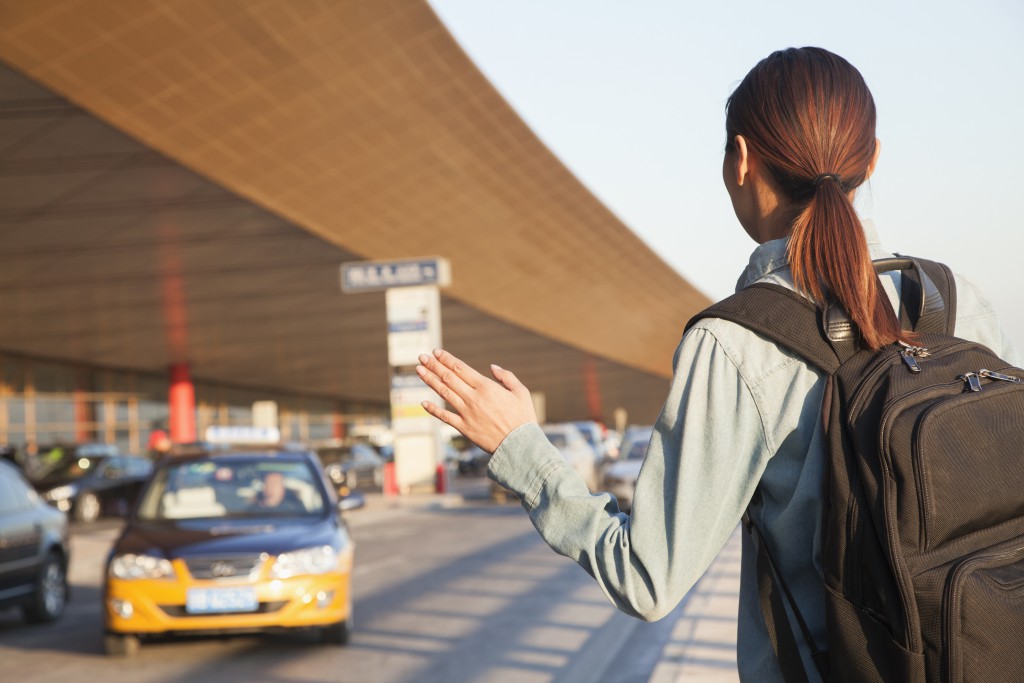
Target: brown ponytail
[{"x": 810, "y": 118}]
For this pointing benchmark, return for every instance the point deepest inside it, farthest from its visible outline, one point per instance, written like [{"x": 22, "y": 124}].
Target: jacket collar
[{"x": 772, "y": 256}]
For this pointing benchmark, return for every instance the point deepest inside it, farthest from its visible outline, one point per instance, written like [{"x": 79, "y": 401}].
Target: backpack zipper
[
  {"x": 859, "y": 393},
  {"x": 909, "y": 355},
  {"x": 973, "y": 379}
]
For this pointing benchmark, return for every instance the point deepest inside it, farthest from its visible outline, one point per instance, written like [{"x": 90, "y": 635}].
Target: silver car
[
  {"x": 570, "y": 442},
  {"x": 620, "y": 478}
]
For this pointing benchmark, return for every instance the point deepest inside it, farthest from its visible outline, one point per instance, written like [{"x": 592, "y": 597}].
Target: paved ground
[
  {"x": 447, "y": 589},
  {"x": 700, "y": 644}
]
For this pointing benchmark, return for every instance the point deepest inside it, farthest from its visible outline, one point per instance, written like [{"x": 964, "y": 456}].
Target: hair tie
[{"x": 819, "y": 179}]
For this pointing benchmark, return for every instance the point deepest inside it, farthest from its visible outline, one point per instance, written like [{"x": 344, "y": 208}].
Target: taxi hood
[{"x": 189, "y": 537}]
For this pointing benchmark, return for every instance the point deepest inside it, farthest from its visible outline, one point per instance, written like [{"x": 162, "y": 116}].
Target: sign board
[
  {"x": 414, "y": 323},
  {"x": 231, "y": 434},
  {"x": 407, "y": 395},
  {"x": 413, "y": 297},
  {"x": 377, "y": 276}
]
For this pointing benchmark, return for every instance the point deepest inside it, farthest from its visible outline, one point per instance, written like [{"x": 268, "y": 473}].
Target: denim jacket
[{"x": 741, "y": 413}]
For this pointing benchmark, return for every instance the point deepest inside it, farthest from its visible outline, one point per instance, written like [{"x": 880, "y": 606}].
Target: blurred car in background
[
  {"x": 594, "y": 434},
  {"x": 574, "y": 449},
  {"x": 569, "y": 441},
  {"x": 10, "y": 454},
  {"x": 94, "y": 480},
  {"x": 33, "y": 550},
  {"x": 231, "y": 542},
  {"x": 355, "y": 467},
  {"x": 620, "y": 477},
  {"x": 473, "y": 461}
]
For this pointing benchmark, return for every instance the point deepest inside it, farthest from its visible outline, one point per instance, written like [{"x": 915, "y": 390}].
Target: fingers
[
  {"x": 445, "y": 416},
  {"x": 467, "y": 374},
  {"x": 448, "y": 393},
  {"x": 507, "y": 379},
  {"x": 446, "y": 382}
]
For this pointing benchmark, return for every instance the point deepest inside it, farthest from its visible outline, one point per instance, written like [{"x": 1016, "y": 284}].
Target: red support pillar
[
  {"x": 182, "y": 400},
  {"x": 85, "y": 412},
  {"x": 338, "y": 423}
]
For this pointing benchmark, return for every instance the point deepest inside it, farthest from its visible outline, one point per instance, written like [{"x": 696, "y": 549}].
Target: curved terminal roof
[{"x": 362, "y": 123}]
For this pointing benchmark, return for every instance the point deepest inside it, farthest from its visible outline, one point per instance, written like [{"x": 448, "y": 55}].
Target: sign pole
[{"x": 412, "y": 292}]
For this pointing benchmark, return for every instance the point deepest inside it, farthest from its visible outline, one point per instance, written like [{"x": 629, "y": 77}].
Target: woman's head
[{"x": 806, "y": 119}]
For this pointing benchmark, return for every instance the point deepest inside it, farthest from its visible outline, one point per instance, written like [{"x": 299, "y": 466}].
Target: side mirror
[{"x": 352, "y": 501}]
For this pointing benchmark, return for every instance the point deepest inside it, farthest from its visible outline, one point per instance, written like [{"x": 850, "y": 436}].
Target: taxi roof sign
[{"x": 232, "y": 434}]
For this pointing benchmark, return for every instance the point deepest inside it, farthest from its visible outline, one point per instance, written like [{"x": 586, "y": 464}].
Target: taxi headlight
[
  {"x": 61, "y": 492},
  {"x": 319, "y": 560},
  {"x": 132, "y": 566}
]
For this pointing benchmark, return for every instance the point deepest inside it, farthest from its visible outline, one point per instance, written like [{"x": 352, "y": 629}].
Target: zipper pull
[
  {"x": 972, "y": 379},
  {"x": 999, "y": 376},
  {"x": 910, "y": 361},
  {"x": 909, "y": 354}
]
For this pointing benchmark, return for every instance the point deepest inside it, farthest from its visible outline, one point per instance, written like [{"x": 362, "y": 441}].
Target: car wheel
[
  {"x": 336, "y": 634},
  {"x": 51, "y": 591},
  {"x": 87, "y": 509},
  {"x": 121, "y": 644}
]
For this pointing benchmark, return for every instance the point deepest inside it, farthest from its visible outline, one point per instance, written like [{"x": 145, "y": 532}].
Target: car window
[
  {"x": 233, "y": 487},
  {"x": 637, "y": 450},
  {"x": 93, "y": 450},
  {"x": 139, "y": 467},
  {"x": 364, "y": 454},
  {"x": 14, "y": 493},
  {"x": 112, "y": 468},
  {"x": 557, "y": 439}
]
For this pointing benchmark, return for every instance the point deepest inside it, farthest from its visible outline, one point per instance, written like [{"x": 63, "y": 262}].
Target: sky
[{"x": 631, "y": 95}]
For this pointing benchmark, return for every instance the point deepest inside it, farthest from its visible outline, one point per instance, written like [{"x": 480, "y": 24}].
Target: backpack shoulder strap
[{"x": 782, "y": 315}]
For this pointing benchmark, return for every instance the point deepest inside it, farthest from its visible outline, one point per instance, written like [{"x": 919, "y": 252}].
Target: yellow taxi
[{"x": 231, "y": 542}]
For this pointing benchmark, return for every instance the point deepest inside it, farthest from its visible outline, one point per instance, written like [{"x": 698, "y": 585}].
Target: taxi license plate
[{"x": 214, "y": 600}]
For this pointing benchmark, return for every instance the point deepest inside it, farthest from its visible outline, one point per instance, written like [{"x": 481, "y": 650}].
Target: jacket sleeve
[
  {"x": 706, "y": 455},
  {"x": 977, "y": 321}
]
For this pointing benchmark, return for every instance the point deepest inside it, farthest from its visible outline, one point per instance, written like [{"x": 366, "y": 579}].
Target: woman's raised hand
[{"x": 485, "y": 411}]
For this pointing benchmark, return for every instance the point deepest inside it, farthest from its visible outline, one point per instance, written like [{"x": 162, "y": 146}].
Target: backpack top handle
[{"x": 922, "y": 304}]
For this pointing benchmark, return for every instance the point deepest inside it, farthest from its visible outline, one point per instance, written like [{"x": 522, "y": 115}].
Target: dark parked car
[
  {"x": 356, "y": 467},
  {"x": 473, "y": 462},
  {"x": 33, "y": 550},
  {"x": 90, "y": 483}
]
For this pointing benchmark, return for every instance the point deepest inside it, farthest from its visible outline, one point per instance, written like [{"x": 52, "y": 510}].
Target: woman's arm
[{"x": 704, "y": 460}]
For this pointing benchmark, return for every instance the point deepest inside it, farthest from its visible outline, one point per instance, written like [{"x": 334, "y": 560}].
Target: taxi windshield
[{"x": 243, "y": 487}]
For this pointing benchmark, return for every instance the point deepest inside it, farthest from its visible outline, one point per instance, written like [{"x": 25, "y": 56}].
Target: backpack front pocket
[{"x": 984, "y": 617}]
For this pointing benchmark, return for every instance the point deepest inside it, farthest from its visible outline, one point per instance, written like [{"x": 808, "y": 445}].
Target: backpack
[{"x": 923, "y": 546}]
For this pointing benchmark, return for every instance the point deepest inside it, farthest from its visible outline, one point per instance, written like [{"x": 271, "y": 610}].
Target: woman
[{"x": 742, "y": 413}]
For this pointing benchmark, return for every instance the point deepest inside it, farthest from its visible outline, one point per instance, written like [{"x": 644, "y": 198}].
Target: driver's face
[{"x": 273, "y": 488}]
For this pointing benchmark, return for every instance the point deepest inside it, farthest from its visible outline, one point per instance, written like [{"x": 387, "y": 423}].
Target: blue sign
[{"x": 375, "y": 276}]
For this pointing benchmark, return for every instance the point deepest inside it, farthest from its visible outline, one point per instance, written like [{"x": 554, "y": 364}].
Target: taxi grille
[
  {"x": 179, "y": 611},
  {"x": 236, "y": 567}
]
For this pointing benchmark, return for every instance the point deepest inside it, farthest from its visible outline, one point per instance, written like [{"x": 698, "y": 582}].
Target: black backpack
[{"x": 924, "y": 493}]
